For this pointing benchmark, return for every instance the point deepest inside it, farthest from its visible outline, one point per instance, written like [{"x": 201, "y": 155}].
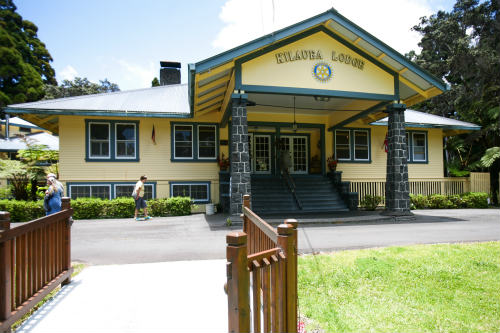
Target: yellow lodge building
[{"x": 306, "y": 119}]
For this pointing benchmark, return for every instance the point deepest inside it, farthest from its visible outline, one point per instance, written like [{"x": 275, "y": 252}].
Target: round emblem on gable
[{"x": 322, "y": 72}]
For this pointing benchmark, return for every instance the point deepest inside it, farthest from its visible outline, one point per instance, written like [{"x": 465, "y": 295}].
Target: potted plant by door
[
  {"x": 223, "y": 163},
  {"x": 332, "y": 163}
]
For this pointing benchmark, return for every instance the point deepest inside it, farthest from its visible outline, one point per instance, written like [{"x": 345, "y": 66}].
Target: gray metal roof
[
  {"x": 163, "y": 101},
  {"x": 43, "y": 138},
  {"x": 426, "y": 120}
]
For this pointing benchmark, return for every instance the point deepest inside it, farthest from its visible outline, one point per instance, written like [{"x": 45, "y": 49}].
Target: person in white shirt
[{"x": 140, "y": 203}]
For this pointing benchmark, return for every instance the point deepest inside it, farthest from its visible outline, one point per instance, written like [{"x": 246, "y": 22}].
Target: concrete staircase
[{"x": 316, "y": 194}]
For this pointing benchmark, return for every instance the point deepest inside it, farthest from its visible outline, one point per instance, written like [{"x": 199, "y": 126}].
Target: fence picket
[
  {"x": 271, "y": 261},
  {"x": 31, "y": 264}
]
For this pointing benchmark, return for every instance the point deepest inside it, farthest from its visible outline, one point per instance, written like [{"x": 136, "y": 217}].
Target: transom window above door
[
  {"x": 194, "y": 142},
  {"x": 112, "y": 140}
]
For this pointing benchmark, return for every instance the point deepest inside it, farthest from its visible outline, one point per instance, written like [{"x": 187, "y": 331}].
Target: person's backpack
[{"x": 134, "y": 194}]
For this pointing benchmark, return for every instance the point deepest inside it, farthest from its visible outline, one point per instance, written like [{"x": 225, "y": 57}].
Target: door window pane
[
  {"x": 99, "y": 140},
  {"x": 206, "y": 141},
  {"x": 183, "y": 141},
  {"x": 342, "y": 143},
  {"x": 300, "y": 154},
  {"x": 262, "y": 153}
]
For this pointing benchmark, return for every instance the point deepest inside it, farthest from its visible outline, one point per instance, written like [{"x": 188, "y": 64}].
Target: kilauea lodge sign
[{"x": 289, "y": 56}]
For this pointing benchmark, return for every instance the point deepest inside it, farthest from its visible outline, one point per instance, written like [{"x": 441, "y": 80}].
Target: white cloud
[
  {"x": 68, "y": 73},
  {"x": 133, "y": 75},
  {"x": 388, "y": 20}
]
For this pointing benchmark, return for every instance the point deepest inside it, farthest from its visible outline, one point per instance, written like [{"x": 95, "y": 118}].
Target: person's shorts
[{"x": 140, "y": 203}]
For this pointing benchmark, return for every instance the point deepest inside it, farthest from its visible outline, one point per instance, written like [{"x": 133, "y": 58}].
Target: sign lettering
[{"x": 296, "y": 55}]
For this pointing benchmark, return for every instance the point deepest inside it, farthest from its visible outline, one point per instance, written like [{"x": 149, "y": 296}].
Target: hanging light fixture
[{"x": 294, "y": 125}]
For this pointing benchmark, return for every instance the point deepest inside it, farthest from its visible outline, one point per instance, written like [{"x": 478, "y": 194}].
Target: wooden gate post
[
  {"x": 5, "y": 269},
  {"x": 246, "y": 203},
  {"x": 66, "y": 204},
  {"x": 238, "y": 283},
  {"x": 287, "y": 241}
]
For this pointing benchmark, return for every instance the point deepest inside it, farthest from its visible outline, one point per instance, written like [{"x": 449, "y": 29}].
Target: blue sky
[{"x": 124, "y": 40}]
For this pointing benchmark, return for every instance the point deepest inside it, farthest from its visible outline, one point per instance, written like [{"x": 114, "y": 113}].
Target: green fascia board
[
  {"x": 96, "y": 113},
  {"x": 298, "y": 27},
  {"x": 261, "y": 42},
  {"x": 191, "y": 79},
  {"x": 359, "y": 115},
  {"x": 447, "y": 127},
  {"x": 315, "y": 92},
  {"x": 389, "y": 51},
  {"x": 23, "y": 126}
]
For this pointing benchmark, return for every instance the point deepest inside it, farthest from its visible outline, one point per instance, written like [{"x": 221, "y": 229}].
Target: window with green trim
[
  {"x": 111, "y": 140},
  {"x": 417, "y": 146},
  {"x": 352, "y": 145},
  {"x": 194, "y": 142},
  {"x": 198, "y": 192}
]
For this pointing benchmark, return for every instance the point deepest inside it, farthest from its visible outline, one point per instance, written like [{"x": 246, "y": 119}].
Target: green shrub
[
  {"x": 88, "y": 208},
  {"x": 457, "y": 201},
  {"x": 119, "y": 208},
  {"x": 158, "y": 207},
  {"x": 476, "y": 199},
  {"x": 419, "y": 201},
  {"x": 439, "y": 201},
  {"x": 22, "y": 211},
  {"x": 179, "y": 206},
  {"x": 371, "y": 202}
]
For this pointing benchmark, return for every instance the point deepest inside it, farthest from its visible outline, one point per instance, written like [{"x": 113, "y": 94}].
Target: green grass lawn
[{"x": 423, "y": 288}]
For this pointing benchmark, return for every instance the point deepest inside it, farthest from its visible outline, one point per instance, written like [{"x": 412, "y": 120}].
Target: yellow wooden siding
[
  {"x": 154, "y": 159},
  {"x": 156, "y": 164},
  {"x": 377, "y": 168},
  {"x": 266, "y": 71}
]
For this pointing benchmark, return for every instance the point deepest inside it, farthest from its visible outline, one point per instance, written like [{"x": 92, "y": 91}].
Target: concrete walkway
[{"x": 179, "y": 296}]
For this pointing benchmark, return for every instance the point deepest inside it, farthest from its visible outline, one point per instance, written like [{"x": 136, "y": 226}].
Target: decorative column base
[{"x": 397, "y": 187}]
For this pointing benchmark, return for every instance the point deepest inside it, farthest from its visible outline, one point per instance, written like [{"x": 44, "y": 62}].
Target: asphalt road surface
[{"x": 125, "y": 241}]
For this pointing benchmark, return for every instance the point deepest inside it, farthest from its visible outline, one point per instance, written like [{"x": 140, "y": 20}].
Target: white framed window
[
  {"x": 353, "y": 145},
  {"x": 183, "y": 141},
  {"x": 99, "y": 140},
  {"x": 195, "y": 142},
  {"x": 112, "y": 141},
  {"x": 361, "y": 145},
  {"x": 125, "y": 190},
  {"x": 343, "y": 145},
  {"x": 126, "y": 141},
  {"x": 207, "y": 142},
  {"x": 199, "y": 192},
  {"x": 417, "y": 146},
  {"x": 102, "y": 191}
]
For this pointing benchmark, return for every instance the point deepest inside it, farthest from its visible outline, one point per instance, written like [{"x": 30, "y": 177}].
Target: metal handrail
[{"x": 291, "y": 186}]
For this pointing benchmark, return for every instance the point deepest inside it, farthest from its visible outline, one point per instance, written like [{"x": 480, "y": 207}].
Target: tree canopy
[
  {"x": 24, "y": 60},
  {"x": 78, "y": 87},
  {"x": 462, "y": 48}
]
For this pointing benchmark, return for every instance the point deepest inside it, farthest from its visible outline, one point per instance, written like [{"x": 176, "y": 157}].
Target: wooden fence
[
  {"x": 262, "y": 275},
  {"x": 477, "y": 182},
  {"x": 35, "y": 258}
]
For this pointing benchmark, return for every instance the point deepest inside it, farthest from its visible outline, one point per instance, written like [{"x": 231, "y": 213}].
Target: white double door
[{"x": 261, "y": 153}]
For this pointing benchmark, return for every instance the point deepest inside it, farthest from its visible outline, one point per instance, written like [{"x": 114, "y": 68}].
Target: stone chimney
[{"x": 170, "y": 73}]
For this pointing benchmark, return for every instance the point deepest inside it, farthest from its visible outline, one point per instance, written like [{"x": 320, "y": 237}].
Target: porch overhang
[{"x": 213, "y": 81}]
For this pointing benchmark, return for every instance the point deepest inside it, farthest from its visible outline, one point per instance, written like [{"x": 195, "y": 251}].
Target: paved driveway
[{"x": 196, "y": 237}]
